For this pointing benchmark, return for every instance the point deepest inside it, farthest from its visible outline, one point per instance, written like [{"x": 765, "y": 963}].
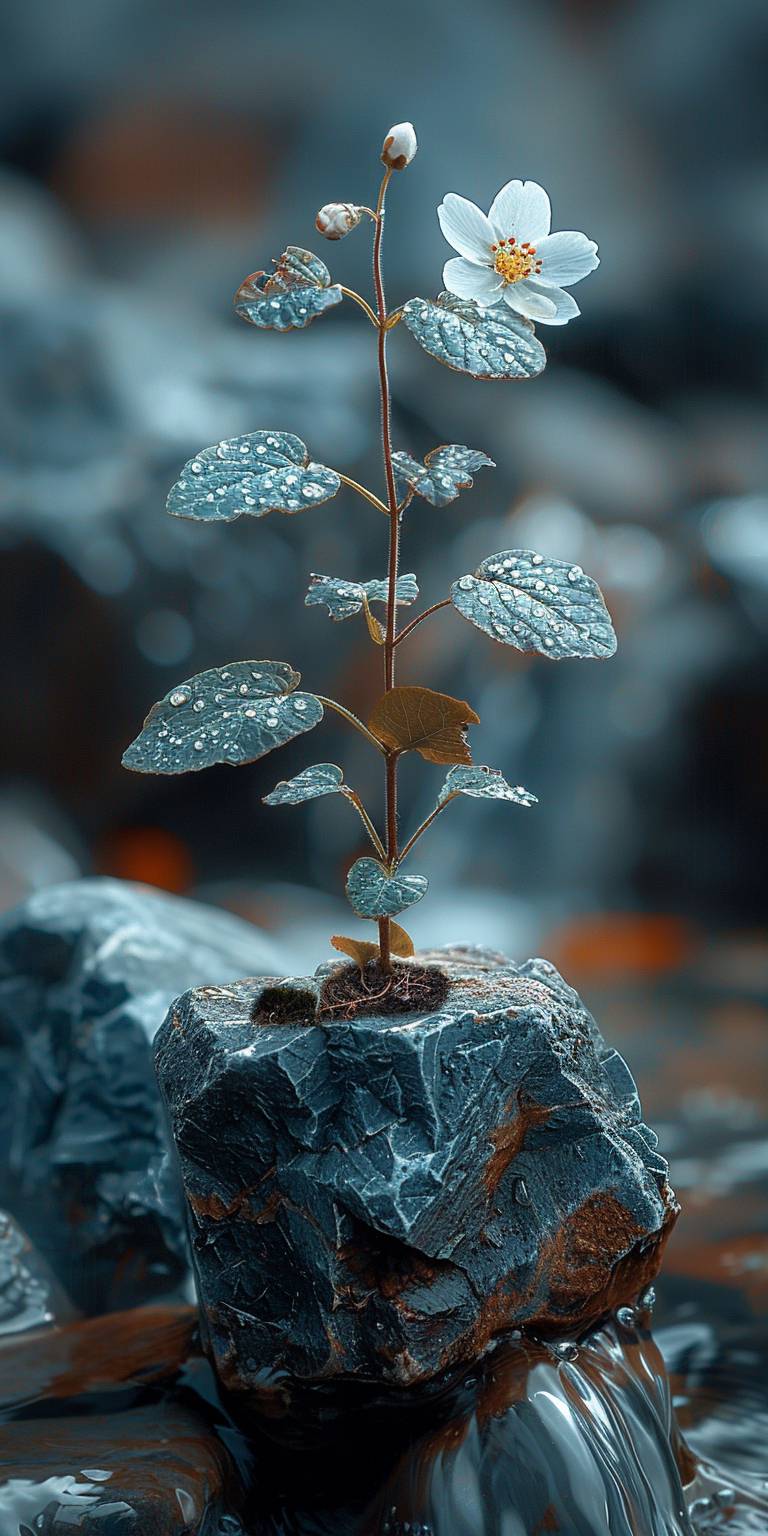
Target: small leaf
[
  {"x": 296, "y": 292},
  {"x": 322, "y": 779},
  {"x": 419, "y": 720},
  {"x": 231, "y": 714},
  {"x": 362, "y": 950},
  {"x": 537, "y": 604},
  {"x": 375, "y": 629},
  {"x": 445, "y": 472},
  {"x": 359, "y": 950},
  {"x": 488, "y": 343},
  {"x": 343, "y": 598},
  {"x": 251, "y": 476},
  {"x": 483, "y": 784},
  {"x": 373, "y": 892}
]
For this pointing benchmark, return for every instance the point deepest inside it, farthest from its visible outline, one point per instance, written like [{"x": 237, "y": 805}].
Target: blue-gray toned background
[{"x": 154, "y": 154}]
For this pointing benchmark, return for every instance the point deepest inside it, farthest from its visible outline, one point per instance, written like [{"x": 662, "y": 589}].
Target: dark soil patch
[
  {"x": 350, "y": 993},
  {"x": 285, "y": 1006}
]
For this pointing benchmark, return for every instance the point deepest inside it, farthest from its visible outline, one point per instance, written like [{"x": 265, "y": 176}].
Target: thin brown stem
[
  {"x": 357, "y": 298},
  {"x": 404, "y": 633},
  {"x": 362, "y": 490},
  {"x": 394, "y": 544},
  {"x": 355, "y": 800},
  {"x": 422, "y": 829},
  {"x": 346, "y": 714}
]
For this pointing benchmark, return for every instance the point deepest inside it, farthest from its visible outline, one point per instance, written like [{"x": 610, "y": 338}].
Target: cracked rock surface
[
  {"x": 376, "y": 1198},
  {"x": 87, "y": 972}
]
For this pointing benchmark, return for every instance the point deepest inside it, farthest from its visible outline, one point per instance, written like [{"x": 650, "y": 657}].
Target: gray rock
[
  {"x": 377, "y": 1198},
  {"x": 87, "y": 971},
  {"x": 30, "y": 1296}
]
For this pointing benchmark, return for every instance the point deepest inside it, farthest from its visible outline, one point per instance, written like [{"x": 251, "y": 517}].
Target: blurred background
[{"x": 155, "y": 154}]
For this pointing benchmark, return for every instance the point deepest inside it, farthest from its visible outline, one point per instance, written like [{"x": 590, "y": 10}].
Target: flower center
[{"x": 513, "y": 262}]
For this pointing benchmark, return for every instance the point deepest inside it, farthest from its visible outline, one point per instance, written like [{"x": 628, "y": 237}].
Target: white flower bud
[
  {"x": 399, "y": 146},
  {"x": 335, "y": 220}
]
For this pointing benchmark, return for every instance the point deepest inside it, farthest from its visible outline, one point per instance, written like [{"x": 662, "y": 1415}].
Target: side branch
[
  {"x": 354, "y": 799},
  {"x": 445, "y": 603},
  {"x": 346, "y": 714},
  {"x": 422, "y": 829},
  {"x": 357, "y": 298},
  {"x": 354, "y": 485}
]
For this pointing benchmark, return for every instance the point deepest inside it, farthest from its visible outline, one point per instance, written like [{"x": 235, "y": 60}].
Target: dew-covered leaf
[
  {"x": 310, "y": 784},
  {"x": 444, "y": 473},
  {"x": 250, "y": 476},
  {"x": 537, "y": 604},
  {"x": 362, "y": 950},
  {"x": 483, "y": 784},
  {"x": 343, "y": 598},
  {"x": 298, "y": 290},
  {"x": 412, "y": 719},
  {"x": 490, "y": 343},
  {"x": 375, "y": 893},
  {"x": 231, "y": 714}
]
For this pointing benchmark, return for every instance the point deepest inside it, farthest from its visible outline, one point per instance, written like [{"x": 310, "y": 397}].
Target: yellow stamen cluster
[{"x": 514, "y": 262}]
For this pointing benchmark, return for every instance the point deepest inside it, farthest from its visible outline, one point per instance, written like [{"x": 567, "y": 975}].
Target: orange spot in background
[
  {"x": 150, "y": 855},
  {"x": 613, "y": 944}
]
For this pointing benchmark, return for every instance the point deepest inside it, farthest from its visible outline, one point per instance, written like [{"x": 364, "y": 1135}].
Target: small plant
[{"x": 509, "y": 272}]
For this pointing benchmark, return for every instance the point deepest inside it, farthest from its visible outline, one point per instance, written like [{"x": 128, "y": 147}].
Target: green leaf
[
  {"x": 343, "y": 598},
  {"x": 289, "y": 298},
  {"x": 487, "y": 343},
  {"x": 250, "y": 476},
  {"x": 483, "y": 784},
  {"x": 444, "y": 473},
  {"x": 536, "y": 604},
  {"x": 322, "y": 779},
  {"x": 231, "y": 714},
  {"x": 375, "y": 893}
]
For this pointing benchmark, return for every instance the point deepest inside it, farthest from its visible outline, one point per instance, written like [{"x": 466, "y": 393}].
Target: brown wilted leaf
[
  {"x": 420, "y": 720},
  {"x": 375, "y": 629},
  {"x": 362, "y": 950}
]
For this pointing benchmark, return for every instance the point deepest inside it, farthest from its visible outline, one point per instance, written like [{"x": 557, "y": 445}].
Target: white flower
[
  {"x": 335, "y": 220},
  {"x": 511, "y": 255},
  {"x": 399, "y": 146}
]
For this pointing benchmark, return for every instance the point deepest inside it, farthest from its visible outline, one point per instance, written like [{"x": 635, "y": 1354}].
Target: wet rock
[
  {"x": 373, "y": 1198},
  {"x": 30, "y": 1296},
  {"x": 143, "y": 1346},
  {"x": 87, "y": 971},
  {"x": 157, "y": 1470}
]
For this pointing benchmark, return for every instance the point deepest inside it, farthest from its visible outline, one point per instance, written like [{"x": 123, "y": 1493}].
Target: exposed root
[
  {"x": 350, "y": 993},
  {"x": 285, "y": 1006}
]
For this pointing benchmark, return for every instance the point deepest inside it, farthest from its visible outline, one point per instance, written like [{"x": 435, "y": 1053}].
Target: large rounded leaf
[
  {"x": 298, "y": 290},
  {"x": 343, "y": 598},
  {"x": 250, "y": 476},
  {"x": 536, "y": 604},
  {"x": 444, "y": 473},
  {"x": 375, "y": 893},
  {"x": 487, "y": 343},
  {"x": 483, "y": 783},
  {"x": 310, "y": 784},
  {"x": 231, "y": 714}
]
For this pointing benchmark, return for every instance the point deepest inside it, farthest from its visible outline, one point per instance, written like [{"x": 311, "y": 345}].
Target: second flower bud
[{"x": 335, "y": 220}]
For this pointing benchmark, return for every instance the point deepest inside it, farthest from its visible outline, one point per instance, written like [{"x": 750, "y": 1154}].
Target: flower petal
[
  {"x": 534, "y": 305},
  {"x": 469, "y": 281},
  {"x": 566, "y": 307},
  {"x": 521, "y": 208},
  {"x": 566, "y": 257},
  {"x": 466, "y": 228}
]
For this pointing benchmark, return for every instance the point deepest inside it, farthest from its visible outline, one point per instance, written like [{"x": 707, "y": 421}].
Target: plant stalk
[
  {"x": 394, "y": 547},
  {"x": 445, "y": 603}
]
